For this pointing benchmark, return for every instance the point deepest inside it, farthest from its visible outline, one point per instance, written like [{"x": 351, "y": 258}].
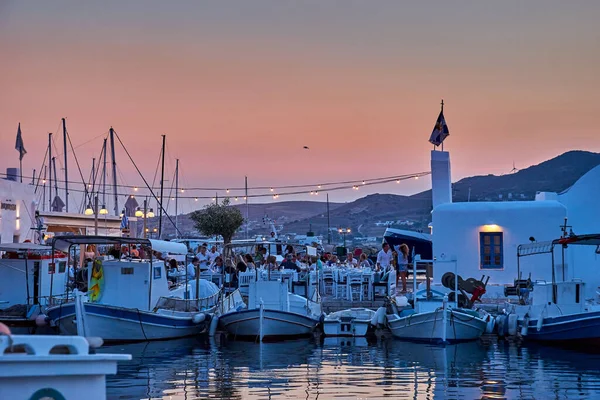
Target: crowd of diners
[{"x": 211, "y": 261}]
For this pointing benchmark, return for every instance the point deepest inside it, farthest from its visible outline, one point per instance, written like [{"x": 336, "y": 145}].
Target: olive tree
[{"x": 218, "y": 219}]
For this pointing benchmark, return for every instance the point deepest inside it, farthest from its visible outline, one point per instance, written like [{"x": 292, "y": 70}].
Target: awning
[
  {"x": 64, "y": 242},
  {"x": 589, "y": 240},
  {"x": 164, "y": 247}
]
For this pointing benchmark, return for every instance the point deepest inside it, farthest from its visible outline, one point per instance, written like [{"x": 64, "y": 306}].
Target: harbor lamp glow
[{"x": 344, "y": 232}]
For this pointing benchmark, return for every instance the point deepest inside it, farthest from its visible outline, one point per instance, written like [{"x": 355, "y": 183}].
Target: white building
[
  {"x": 483, "y": 236},
  {"x": 17, "y": 211}
]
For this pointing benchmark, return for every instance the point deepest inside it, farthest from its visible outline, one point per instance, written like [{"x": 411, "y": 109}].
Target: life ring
[{"x": 96, "y": 282}]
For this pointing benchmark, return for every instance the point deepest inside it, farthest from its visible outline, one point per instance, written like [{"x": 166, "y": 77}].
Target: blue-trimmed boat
[
  {"x": 130, "y": 300},
  {"x": 557, "y": 311}
]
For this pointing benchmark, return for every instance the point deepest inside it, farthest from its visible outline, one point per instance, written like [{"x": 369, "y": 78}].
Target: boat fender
[
  {"x": 500, "y": 321},
  {"x": 380, "y": 315},
  {"x": 540, "y": 322},
  {"x": 491, "y": 323},
  {"x": 401, "y": 301},
  {"x": 214, "y": 323},
  {"x": 512, "y": 324},
  {"x": 41, "y": 320},
  {"x": 525, "y": 326},
  {"x": 198, "y": 318}
]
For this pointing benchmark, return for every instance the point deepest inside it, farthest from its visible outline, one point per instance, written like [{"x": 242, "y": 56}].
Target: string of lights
[
  {"x": 326, "y": 186},
  {"x": 315, "y": 189}
]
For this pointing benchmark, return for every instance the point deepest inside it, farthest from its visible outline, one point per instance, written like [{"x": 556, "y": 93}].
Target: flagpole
[{"x": 21, "y": 167}]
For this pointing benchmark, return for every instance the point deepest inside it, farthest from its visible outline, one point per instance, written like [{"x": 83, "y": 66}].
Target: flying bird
[{"x": 306, "y": 147}]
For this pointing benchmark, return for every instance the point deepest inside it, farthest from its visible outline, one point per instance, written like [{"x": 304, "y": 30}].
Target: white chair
[
  {"x": 341, "y": 287},
  {"x": 244, "y": 279},
  {"x": 328, "y": 283},
  {"x": 354, "y": 283},
  {"x": 367, "y": 285}
]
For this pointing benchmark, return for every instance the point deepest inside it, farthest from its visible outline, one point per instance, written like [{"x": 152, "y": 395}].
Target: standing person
[
  {"x": 203, "y": 257},
  {"x": 402, "y": 269},
  {"x": 212, "y": 254},
  {"x": 384, "y": 257},
  {"x": 192, "y": 268}
]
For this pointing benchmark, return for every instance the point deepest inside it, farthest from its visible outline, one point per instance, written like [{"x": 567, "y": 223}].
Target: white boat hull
[
  {"x": 351, "y": 322},
  {"x": 276, "y": 323},
  {"x": 117, "y": 324},
  {"x": 345, "y": 328},
  {"x": 431, "y": 327}
]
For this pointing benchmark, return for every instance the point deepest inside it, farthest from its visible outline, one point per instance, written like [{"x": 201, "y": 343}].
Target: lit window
[{"x": 491, "y": 245}]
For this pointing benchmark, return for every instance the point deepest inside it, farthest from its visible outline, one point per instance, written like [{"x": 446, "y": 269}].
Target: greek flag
[
  {"x": 19, "y": 146},
  {"x": 124, "y": 222},
  {"x": 440, "y": 130}
]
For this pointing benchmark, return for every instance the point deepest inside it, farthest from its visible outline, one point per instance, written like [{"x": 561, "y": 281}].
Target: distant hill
[{"x": 368, "y": 215}]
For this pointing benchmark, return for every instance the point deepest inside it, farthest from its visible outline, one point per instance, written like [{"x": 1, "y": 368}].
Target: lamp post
[
  {"x": 343, "y": 232},
  {"x": 94, "y": 211},
  {"x": 145, "y": 214}
]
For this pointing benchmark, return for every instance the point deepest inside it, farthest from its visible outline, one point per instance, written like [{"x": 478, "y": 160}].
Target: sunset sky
[{"x": 239, "y": 87}]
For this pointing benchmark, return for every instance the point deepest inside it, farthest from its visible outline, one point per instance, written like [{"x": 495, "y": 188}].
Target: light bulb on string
[
  {"x": 182, "y": 190},
  {"x": 363, "y": 182},
  {"x": 236, "y": 199},
  {"x": 196, "y": 199},
  {"x": 271, "y": 189},
  {"x": 135, "y": 189},
  {"x": 227, "y": 190},
  {"x": 416, "y": 177}
]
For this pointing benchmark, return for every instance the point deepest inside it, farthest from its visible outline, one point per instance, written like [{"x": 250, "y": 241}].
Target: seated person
[
  {"x": 134, "y": 252},
  {"x": 288, "y": 263}
]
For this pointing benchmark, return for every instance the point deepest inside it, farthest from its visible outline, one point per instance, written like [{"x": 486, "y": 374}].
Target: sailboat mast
[
  {"x": 104, "y": 175},
  {"x": 50, "y": 171},
  {"x": 247, "y": 207},
  {"x": 176, "y": 196},
  {"x": 55, "y": 176},
  {"x": 44, "y": 190},
  {"x": 64, "y": 124},
  {"x": 162, "y": 182},
  {"x": 114, "y": 169}
]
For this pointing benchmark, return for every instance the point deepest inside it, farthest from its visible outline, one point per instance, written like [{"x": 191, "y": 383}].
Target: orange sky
[{"x": 240, "y": 87}]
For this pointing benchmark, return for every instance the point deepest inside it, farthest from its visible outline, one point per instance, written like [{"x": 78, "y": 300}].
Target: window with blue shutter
[{"x": 491, "y": 253}]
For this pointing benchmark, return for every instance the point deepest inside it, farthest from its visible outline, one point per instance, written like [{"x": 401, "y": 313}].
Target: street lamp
[
  {"x": 94, "y": 211},
  {"x": 145, "y": 214},
  {"x": 344, "y": 232}
]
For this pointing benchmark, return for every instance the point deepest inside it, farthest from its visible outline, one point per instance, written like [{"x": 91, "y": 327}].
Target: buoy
[
  {"x": 40, "y": 320},
  {"x": 198, "y": 318},
  {"x": 512, "y": 324},
  {"x": 4, "y": 329}
]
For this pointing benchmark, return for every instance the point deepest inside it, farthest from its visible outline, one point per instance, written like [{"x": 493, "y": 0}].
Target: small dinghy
[{"x": 350, "y": 322}]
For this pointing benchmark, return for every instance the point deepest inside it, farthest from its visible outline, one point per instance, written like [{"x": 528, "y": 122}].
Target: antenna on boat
[{"x": 114, "y": 169}]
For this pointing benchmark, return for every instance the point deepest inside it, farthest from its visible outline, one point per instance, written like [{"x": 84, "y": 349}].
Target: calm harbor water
[{"x": 352, "y": 369}]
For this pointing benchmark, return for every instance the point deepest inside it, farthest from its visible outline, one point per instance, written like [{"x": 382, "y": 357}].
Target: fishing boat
[
  {"x": 557, "y": 311},
  {"x": 130, "y": 299},
  {"x": 350, "y": 322},
  {"x": 30, "y": 276},
  {"x": 433, "y": 317},
  {"x": 272, "y": 312}
]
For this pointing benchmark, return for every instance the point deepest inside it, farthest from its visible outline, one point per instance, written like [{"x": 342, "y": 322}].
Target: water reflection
[{"x": 351, "y": 369}]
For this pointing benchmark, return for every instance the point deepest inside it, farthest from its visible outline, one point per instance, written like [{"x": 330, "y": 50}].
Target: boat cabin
[
  {"x": 125, "y": 282},
  {"x": 31, "y": 274}
]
